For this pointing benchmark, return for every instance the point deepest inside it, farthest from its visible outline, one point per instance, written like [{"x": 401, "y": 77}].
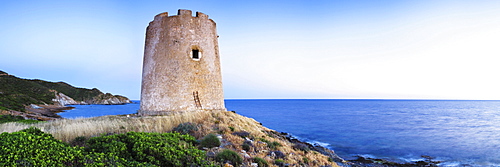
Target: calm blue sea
[
  {"x": 457, "y": 132},
  {"x": 100, "y": 110}
]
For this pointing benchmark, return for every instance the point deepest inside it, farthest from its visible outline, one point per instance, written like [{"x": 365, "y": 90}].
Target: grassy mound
[{"x": 244, "y": 136}]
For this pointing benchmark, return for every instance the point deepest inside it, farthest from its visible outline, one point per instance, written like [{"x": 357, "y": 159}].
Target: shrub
[
  {"x": 29, "y": 121},
  {"x": 272, "y": 145},
  {"x": 229, "y": 156},
  {"x": 32, "y": 147},
  {"x": 242, "y": 134},
  {"x": 210, "y": 141},
  {"x": 261, "y": 162},
  {"x": 306, "y": 160},
  {"x": 245, "y": 147},
  {"x": 186, "y": 128},
  {"x": 231, "y": 128},
  {"x": 79, "y": 141},
  {"x": 162, "y": 149},
  {"x": 36, "y": 131},
  {"x": 279, "y": 162},
  {"x": 12, "y": 118}
]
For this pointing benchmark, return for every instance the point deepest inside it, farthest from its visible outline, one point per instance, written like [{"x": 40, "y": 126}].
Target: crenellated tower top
[{"x": 183, "y": 13}]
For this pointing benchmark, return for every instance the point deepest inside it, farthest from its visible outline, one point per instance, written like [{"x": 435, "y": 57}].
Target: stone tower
[{"x": 181, "y": 70}]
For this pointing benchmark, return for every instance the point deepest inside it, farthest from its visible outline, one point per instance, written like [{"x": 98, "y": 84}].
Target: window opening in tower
[{"x": 196, "y": 54}]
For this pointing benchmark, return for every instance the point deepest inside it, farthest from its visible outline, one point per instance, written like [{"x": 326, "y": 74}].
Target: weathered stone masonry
[{"x": 181, "y": 70}]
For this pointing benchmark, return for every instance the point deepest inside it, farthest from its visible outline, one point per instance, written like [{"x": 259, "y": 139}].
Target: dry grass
[
  {"x": 219, "y": 122},
  {"x": 225, "y": 120},
  {"x": 68, "y": 129}
]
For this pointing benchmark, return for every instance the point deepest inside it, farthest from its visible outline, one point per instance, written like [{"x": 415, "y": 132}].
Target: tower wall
[{"x": 172, "y": 80}]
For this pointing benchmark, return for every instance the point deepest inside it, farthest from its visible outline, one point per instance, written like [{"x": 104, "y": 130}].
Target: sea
[{"x": 456, "y": 132}]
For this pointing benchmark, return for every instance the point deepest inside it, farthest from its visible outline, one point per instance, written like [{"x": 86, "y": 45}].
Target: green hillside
[
  {"x": 79, "y": 94},
  {"x": 15, "y": 93}
]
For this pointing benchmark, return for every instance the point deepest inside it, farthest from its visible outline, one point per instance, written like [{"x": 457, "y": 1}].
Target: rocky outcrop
[
  {"x": 108, "y": 99},
  {"x": 62, "y": 100},
  {"x": 105, "y": 99}
]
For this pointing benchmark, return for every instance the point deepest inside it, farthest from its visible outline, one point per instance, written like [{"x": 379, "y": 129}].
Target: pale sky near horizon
[{"x": 367, "y": 49}]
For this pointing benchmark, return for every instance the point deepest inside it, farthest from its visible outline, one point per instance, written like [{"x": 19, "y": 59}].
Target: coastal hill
[
  {"x": 26, "y": 97},
  {"x": 225, "y": 139}
]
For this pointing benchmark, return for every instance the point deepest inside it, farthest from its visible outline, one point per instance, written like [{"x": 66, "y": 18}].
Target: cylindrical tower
[{"x": 181, "y": 70}]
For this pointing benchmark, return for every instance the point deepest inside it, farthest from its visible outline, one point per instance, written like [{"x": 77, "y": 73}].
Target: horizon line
[{"x": 354, "y": 99}]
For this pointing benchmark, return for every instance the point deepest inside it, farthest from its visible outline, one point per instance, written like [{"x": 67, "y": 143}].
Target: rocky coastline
[
  {"x": 46, "y": 112},
  {"x": 308, "y": 146},
  {"x": 103, "y": 99},
  {"x": 360, "y": 161},
  {"x": 61, "y": 101}
]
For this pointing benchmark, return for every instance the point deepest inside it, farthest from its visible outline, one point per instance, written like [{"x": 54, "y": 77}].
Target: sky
[{"x": 331, "y": 49}]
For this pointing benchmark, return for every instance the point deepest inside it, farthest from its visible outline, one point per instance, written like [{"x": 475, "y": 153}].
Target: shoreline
[
  {"x": 360, "y": 161},
  {"x": 39, "y": 112},
  {"x": 47, "y": 112},
  {"x": 368, "y": 159}
]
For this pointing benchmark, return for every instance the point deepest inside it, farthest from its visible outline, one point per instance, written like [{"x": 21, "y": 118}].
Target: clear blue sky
[{"x": 431, "y": 49}]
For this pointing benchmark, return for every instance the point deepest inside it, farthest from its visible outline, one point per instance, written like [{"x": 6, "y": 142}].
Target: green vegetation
[
  {"x": 15, "y": 93},
  {"x": 32, "y": 147},
  {"x": 113, "y": 144},
  {"x": 260, "y": 162},
  {"x": 210, "y": 141},
  {"x": 245, "y": 146},
  {"x": 279, "y": 162},
  {"x": 12, "y": 118},
  {"x": 306, "y": 160},
  {"x": 186, "y": 128},
  {"x": 78, "y": 94},
  {"x": 229, "y": 156},
  {"x": 272, "y": 145},
  {"x": 162, "y": 149}
]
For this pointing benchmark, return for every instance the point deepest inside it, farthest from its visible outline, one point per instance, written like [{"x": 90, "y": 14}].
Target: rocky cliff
[
  {"x": 62, "y": 100},
  {"x": 106, "y": 99}
]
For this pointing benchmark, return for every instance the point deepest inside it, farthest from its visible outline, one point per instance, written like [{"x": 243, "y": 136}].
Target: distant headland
[{"x": 41, "y": 100}]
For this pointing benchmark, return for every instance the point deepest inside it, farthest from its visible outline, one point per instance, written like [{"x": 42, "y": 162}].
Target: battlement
[{"x": 182, "y": 12}]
